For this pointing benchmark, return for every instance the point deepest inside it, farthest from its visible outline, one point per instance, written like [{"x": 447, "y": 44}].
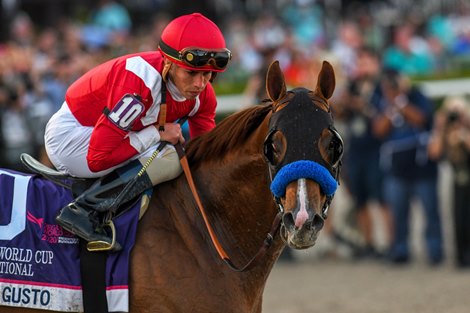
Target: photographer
[
  {"x": 403, "y": 122},
  {"x": 362, "y": 174},
  {"x": 451, "y": 141}
]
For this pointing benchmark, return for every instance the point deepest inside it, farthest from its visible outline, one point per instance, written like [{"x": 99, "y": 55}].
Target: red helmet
[{"x": 194, "y": 42}]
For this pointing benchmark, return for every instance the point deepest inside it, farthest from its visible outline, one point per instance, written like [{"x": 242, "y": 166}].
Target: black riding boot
[{"x": 81, "y": 217}]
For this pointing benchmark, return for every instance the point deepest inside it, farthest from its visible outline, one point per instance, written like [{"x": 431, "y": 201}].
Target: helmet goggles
[{"x": 198, "y": 57}]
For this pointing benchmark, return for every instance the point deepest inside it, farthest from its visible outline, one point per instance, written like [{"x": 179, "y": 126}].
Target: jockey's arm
[{"x": 111, "y": 146}]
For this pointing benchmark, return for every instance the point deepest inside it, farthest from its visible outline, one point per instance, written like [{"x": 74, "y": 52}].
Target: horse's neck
[
  {"x": 235, "y": 193},
  {"x": 240, "y": 208},
  {"x": 239, "y": 202}
]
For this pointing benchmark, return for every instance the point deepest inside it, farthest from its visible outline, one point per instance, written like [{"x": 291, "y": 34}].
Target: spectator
[
  {"x": 255, "y": 90},
  {"x": 298, "y": 71},
  {"x": 112, "y": 16},
  {"x": 22, "y": 30},
  {"x": 305, "y": 17},
  {"x": 109, "y": 27},
  {"x": 403, "y": 121},
  {"x": 372, "y": 29},
  {"x": 16, "y": 136},
  {"x": 362, "y": 173},
  {"x": 38, "y": 109},
  {"x": 451, "y": 141},
  {"x": 409, "y": 53},
  {"x": 345, "y": 46},
  {"x": 47, "y": 46},
  {"x": 4, "y": 98},
  {"x": 56, "y": 81},
  {"x": 246, "y": 58},
  {"x": 442, "y": 38}
]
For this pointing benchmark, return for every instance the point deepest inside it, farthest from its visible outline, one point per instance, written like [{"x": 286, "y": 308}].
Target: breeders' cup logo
[{"x": 52, "y": 233}]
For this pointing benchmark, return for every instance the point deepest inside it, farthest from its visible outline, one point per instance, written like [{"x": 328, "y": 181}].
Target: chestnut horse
[{"x": 174, "y": 266}]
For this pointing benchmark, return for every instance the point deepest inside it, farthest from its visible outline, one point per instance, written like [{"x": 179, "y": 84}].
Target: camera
[{"x": 452, "y": 117}]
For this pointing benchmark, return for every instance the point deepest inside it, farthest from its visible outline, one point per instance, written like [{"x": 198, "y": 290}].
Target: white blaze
[{"x": 302, "y": 215}]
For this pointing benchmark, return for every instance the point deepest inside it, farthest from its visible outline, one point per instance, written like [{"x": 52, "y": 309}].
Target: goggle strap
[{"x": 169, "y": 50}]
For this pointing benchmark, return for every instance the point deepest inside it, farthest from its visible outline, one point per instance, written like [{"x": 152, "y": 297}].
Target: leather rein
[
  {"x": 215, "y": 241},
  {"x": 275, "y": 227}
]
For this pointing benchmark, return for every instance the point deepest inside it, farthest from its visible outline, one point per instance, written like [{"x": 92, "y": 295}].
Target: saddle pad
[{"x": 39, "y": 261}]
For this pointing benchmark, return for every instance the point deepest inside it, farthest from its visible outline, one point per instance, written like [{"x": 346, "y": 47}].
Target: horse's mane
[{"x": 227, "y": 135}]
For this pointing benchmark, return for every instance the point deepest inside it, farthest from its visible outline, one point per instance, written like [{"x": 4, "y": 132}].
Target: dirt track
[
  {"x": 339, "y": 286},
  {"x": 319, "y": 283}
]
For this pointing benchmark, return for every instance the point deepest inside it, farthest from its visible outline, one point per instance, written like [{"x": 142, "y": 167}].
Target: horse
[{"x": 174, "y": 264}]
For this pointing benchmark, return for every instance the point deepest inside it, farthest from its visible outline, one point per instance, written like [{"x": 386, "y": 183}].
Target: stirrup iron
[{"x": 99, "y": 245}]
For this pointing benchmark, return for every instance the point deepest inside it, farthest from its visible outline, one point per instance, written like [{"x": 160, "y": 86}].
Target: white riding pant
[{"x": 67, "y": 142}]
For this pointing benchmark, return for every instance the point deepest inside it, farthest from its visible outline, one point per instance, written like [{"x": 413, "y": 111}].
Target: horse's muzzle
[{"x": 301, "y": 237}]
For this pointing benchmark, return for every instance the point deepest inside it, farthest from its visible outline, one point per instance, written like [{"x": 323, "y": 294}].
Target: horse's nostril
[
  {"x": 316, "y": 223},
  {"x": 288, "y": 221}
]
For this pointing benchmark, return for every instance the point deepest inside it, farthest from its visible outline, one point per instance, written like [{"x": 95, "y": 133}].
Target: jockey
[{"x": 113, "y": 119}]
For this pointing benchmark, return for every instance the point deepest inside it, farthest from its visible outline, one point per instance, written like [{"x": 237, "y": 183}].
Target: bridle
[
  {"x": 335, "y": 172},
  {"x": 268, "y": 241},
  {"x": 274, "y": 126},
  {"x": 273, "y": 169}
]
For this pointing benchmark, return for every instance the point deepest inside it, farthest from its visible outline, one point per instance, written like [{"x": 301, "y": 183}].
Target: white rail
[{"x": 434, "y": 89}]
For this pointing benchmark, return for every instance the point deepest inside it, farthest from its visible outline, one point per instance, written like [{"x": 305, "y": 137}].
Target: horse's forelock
[{"x": 228, "y": 134}]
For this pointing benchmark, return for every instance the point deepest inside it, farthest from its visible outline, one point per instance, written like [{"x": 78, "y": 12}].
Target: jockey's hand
[{"x": 172, "y": 133}]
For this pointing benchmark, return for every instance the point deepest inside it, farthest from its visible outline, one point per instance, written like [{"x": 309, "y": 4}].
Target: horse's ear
[
  {"x": 275, "y": 83},
  {"x": 326, "y": 80}
]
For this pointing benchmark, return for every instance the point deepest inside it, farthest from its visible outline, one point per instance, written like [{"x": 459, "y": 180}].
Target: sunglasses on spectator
[{"x": 198, "y": 57}]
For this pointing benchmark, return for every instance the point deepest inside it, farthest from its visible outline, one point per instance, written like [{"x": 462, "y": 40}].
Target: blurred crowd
[{"x": 395, "y": 135}]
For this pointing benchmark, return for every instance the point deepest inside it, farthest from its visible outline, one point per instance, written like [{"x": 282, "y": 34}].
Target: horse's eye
[
  {"x": 273, "y": 146},
  {"x": 270, "y": 151},
  {"x": 335, "y": 149}
]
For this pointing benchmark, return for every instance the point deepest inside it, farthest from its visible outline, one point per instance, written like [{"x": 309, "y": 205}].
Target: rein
[{"x": 220, "y": 250}]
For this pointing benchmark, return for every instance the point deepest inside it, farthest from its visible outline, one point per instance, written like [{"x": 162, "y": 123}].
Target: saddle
[
  {"x": 77, "y": 185},
  {"x": 74, "y": 184}
]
